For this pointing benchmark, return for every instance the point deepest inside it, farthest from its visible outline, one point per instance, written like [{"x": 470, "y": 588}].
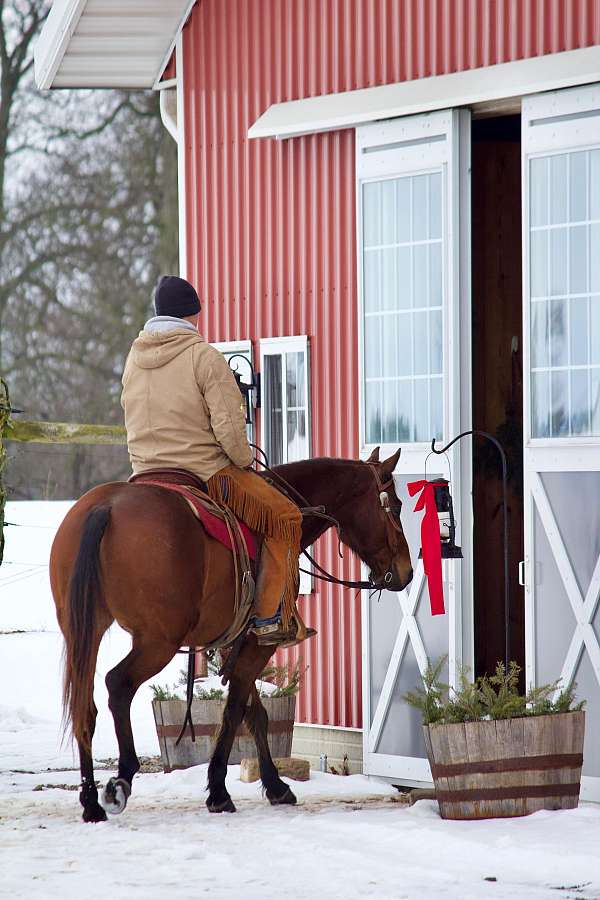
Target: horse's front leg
[
  {"x": 249, "y": 664},
  {"x": 277, "y": 791}
]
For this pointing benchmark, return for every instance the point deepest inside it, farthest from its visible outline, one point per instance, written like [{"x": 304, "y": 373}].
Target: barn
[{"x": 392, "y": 209}]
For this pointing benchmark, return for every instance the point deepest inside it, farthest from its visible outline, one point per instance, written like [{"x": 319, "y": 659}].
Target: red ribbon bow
[{"x": 430, "y": 542}]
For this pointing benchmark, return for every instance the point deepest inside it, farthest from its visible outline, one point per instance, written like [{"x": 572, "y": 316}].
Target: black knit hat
[{"x": 175, "y": 296}]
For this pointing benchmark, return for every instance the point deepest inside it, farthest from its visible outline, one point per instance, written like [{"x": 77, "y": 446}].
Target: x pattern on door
[
  {"x": 584, "y": 608},
  {"x": 408, "y": 631}
]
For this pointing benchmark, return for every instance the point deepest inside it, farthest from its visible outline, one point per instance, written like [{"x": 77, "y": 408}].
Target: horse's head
[{"x": 373, "y": 529}]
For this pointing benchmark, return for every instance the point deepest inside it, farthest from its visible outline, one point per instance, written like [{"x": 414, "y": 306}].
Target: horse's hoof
[
  {"x": 94, "y": 813},
  {"x": 286, "y": 799},
  {"x": 115, "y": 795},
  {"x": 226, "y": 805}
]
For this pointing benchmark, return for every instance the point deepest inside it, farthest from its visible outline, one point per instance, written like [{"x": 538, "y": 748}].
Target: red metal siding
[{"x": 271, "y": 226}]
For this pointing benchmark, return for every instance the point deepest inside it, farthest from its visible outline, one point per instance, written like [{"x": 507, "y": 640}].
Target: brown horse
[{"x": 136, "y": 553}]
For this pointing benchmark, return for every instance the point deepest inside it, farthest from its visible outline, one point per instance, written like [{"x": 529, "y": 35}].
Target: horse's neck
[{"x": 321, "y": 482}]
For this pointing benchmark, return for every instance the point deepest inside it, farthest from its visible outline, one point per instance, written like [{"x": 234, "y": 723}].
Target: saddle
[
  {"x": 195, "y": 492},
  {"x": 220, "y": 523}
]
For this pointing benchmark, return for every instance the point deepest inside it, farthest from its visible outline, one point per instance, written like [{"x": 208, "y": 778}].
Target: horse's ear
[
  {"x": 374, "y": 457},
  {"x": 388, "y": 465}
]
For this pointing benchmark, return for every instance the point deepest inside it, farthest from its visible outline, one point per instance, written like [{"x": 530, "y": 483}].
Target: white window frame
[{"x": 278, "y": 347}]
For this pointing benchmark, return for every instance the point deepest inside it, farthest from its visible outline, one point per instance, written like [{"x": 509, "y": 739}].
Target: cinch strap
[{"x": 430, "y": 542}]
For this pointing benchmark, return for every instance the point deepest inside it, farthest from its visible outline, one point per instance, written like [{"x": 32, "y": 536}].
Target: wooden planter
[
  {"x": 509, "y": 767},
  {"x": 207, "y": 716}
]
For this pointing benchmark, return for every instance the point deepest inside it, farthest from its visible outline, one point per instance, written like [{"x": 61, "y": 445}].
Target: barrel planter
[
  {"x": 206, "y": 716},
  {"x": 506, "y": 767}
]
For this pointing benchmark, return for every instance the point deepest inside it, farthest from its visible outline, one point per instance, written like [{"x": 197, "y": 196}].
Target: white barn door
[
  {"x": 413, "y": 234},
  {"x": 561, "y": 239}
]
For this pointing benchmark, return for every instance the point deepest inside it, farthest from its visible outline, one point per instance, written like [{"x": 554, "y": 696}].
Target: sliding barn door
[
  {"x": 413, "y": 212},
  {"x": 561, "y": 215}
]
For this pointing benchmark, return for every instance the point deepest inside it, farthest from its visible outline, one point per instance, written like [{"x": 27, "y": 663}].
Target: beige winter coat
[{"x": 183, "y": 408}]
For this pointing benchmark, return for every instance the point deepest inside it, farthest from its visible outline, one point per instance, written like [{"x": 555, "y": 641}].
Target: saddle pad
[{"x": 213, "y": 525}]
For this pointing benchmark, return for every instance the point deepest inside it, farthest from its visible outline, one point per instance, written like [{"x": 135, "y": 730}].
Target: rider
[{"x": 183, "y": 409}]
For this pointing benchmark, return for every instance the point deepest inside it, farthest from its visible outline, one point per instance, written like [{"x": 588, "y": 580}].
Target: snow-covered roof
[{"x": 108, "y": 43}]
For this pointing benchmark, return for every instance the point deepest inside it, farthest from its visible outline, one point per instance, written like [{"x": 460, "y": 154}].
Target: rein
[{"x": 317, "y": 511}]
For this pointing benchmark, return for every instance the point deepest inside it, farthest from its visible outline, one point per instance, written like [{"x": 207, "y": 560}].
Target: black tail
[{"x": 81, "y": 630}]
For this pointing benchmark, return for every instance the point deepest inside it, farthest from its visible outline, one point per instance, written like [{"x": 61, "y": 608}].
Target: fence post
[{"x": 4, "y": 426}]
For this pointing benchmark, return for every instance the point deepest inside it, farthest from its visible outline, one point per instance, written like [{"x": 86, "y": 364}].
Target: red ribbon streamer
[{"x": 430, "y": 542}]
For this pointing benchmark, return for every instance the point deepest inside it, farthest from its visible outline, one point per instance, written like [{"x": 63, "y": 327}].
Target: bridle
[{"x": 307, "y": 510}]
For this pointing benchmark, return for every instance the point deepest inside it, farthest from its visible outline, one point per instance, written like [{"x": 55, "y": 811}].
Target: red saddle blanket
[{"x": 213, "y": 525}]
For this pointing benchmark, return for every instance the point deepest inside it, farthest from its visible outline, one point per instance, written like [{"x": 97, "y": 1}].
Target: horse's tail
[{"x": 85, "y": 621}]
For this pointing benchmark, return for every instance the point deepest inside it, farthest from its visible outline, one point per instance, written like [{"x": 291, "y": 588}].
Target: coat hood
[{"x": 152, "y": 349}]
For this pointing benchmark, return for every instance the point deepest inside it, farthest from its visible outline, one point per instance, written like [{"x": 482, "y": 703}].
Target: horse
[{"x": 135, "y": 553}]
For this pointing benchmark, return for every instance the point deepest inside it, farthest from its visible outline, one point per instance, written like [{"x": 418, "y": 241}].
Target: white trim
[
  {"x": 173, "y": 45},
  {"x": 54, "y": 39},
  {"x": 279, "y": 346},
  {"x": 181, "y": 159},
  {"x": 164, "y": 85},
  {"x": 348, "y": 109},
  {"x": 166, "y": 112}
]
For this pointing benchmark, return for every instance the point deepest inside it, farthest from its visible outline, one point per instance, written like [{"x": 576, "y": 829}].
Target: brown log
[{"x": 297, "y": 769}]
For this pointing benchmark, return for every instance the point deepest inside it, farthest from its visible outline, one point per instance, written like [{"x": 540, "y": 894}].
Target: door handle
[{"x": 522, "y": 573}]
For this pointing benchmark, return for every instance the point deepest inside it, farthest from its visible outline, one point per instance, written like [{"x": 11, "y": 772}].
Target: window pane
[
  {"x": 404, "y": 277},
  {"x": 390, "y": 346},
  {"x": 577, "y": 187},
  {"x": 540, "y": 334},
  {"x": 595, "y": 401},
  {"x": 404, "y": 410},
  {"x": 421, "y": 410},
  {"x": 390, "y": 412},
  {"x": 595, "y": 184},
  {"x": 437, "y": 416},
  {"x": 372, "y": 276},
  {"x": 595, "y": 259},
  {"x": 435, "y": 205},
  {"x": 372, "y": 213},
  {"x": 435, "y": 274},
  {"x": 291, "y": 377},
  {"x": 301, "y": 363},
  {"x": 404, "y": 345},
  {"x": 558, "y": 189},
  {"x": 403, "y": 210},
  {"x": 373, "y": 412},
  {"x": 579, "y": 331},
  {"x": 389, "y": 282},
  {"x": 540, "y": 403},
  {"x": 578, "y": 268},
  {"x": 296, "y": 436},
  {"x": 558, "y": 261},
  {"x": 373, "y": 347},
  {"x": 421, "y": 363},
  {"x": 579, "y": 402},
  {"x": 420, "y": 298},
  {"x": 558, "y": 333},
  {"x": 435, "y": 338},
  {"x": 273, "y": 412},
  {"x": 388, "y": 212},
  {"x": 419, "y": 208},
  {"x": 539, "y": 191},
  {"x": 539, "y": 264},
  {"x": 595, "y": 330},
  {"x": 560, "y": 400}
]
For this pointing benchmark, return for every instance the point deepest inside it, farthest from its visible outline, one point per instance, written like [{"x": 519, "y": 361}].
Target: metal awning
[{"x": 108, "y": 43}]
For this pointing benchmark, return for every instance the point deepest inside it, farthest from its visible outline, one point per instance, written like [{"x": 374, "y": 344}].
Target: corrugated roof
[{"x": 108, "y": 43}]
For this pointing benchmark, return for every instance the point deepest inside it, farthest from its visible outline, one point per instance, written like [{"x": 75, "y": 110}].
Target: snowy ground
[{"x": 347, "y": 838}]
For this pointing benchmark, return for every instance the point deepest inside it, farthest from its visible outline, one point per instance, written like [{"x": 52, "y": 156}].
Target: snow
[{"x": 348, "y": 837}]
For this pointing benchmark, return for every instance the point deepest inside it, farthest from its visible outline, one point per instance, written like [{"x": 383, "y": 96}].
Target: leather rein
[{"x": 319, "y": 511}]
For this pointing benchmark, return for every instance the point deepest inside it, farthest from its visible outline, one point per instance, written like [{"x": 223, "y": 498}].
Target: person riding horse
[{"x": 183, "y": 410}]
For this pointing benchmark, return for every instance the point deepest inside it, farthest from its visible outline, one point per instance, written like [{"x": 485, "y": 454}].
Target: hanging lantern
[{"x": 445, "y": 512}]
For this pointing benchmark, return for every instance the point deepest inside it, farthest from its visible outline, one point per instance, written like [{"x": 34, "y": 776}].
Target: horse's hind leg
[
  {"x": 249, "y": 664},
  {"x": 88, "y": 797},
  {"x": 144, "y": 661},
  {"x": 277, "y": 791}
]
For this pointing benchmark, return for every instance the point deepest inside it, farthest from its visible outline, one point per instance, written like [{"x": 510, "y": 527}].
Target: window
[
  {"x": 285, "y": 418},
  {"x": 402, "y": 288},
  {"x": 564, "y": 242},
  {"x": 285, "y": 406}
]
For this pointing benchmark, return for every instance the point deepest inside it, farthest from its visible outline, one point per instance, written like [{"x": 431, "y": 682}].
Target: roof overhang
[
  {"x": 477, "y": 88},
  {"x": 108, "y": 43}
]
